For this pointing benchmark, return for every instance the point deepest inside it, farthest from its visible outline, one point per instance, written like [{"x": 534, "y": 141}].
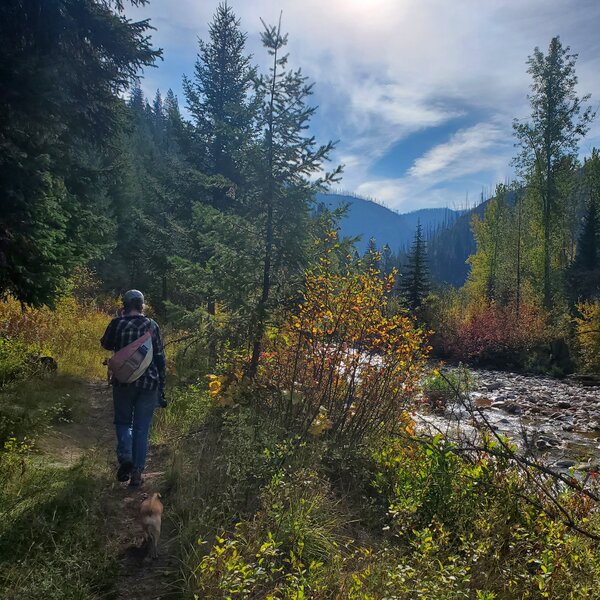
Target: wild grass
[
  {"x": 264, "y": 515},
  {"x": 53, "y": 539},
  {"x": 70, "y": 333}
]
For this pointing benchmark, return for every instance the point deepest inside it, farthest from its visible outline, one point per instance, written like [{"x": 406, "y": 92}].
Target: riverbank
[{"x": 555, "y": 418}]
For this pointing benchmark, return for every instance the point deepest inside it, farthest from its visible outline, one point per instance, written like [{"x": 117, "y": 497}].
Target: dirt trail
[{"x": 92, "y": 432}]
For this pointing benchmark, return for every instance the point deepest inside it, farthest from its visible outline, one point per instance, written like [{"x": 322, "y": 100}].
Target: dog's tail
[
  {"x": 152, "y": 544},
  {"x": 152, "y": 537}
]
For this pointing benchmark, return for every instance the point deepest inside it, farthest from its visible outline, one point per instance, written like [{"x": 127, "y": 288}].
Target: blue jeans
[{"x": 134, "y": 408}]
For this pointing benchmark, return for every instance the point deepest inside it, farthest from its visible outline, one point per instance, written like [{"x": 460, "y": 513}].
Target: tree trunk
[
  {"x": 547, "y": 216},
  {"x": 518, "y": 291},
  {"x": 261, "y": 309}
]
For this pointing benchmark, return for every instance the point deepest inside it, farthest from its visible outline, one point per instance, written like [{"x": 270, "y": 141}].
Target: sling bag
[{"x": 130, "y": 363}]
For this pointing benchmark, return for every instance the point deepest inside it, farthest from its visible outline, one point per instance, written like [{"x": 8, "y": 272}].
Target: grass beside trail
[{"x": 53, "y": 540}]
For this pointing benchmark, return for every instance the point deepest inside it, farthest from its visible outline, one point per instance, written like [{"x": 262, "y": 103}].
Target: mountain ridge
[{"x": 368, "y": 219}]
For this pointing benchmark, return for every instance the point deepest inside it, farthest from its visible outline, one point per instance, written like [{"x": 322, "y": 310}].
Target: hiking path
[{"x": 91, "y": 433}]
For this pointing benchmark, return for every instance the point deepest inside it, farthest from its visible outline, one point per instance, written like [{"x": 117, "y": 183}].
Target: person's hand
[{"x": 162, "y": 400}]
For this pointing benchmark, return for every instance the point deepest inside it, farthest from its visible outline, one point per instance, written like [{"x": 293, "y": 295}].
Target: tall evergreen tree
[
  {"x": 558, "y": 121},
  {"x": 224, "y": 109},
  {"x": 63, "y": 64},
  {"x": 221, "y": 99},
  {"x": 414, "y": 284},
  {"x": 588, "y": 250},
  {"x": 287, "y": 158}
]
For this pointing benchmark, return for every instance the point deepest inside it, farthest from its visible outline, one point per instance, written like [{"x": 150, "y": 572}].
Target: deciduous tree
[{"x": 559, "y": 119}]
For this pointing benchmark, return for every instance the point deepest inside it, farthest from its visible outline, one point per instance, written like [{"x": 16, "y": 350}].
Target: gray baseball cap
[{"x": 132, "y": 295}]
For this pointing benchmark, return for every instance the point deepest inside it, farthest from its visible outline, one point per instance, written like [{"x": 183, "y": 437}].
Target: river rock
[
  {"x": 568, "y": 411},
  {"x": 565, "y": 463},
  {"x": 588, "y": 467},
  {"x": 499, "y": 405}
]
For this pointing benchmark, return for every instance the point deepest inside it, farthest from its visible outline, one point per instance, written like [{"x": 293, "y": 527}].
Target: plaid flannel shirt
[{"x": 122, "y": 331}]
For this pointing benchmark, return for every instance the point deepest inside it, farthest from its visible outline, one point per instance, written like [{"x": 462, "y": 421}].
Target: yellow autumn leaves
[{"x": 356, "y": 365}]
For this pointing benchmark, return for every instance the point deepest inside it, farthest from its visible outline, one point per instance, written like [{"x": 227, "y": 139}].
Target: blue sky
[{"x": 420, "y": 93}]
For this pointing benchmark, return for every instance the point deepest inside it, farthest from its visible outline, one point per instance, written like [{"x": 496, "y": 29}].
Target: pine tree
[
  {"x": 286, "y": 160},
  {"x": 223, "y": 106},
  {"x": 64, "y": 64},
  {"x": 414, "y": 284},
  {"x": 558, "y": 121}
]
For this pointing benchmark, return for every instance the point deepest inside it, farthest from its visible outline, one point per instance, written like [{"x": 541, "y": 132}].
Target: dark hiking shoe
[
  {"x": 136, "y": 478},
  {"x": 124, "y": 471}
]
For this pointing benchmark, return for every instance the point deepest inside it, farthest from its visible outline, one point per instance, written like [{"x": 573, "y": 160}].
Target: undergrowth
[
  {"x": 265, "y": 514},
  {"x": 54, "y": 543},
  {"x": 53, "y": 537},
  {"x": 69, "y": 333},
  {"x": 28, "y": 408}
]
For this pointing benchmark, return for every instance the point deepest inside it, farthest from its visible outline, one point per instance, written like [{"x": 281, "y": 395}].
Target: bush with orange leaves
[
  {"x": 341, "y": 366},
  {"x": 490, "y": 334}
]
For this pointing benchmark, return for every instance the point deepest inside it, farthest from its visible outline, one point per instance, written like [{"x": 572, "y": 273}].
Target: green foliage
[
  {"x": 282, "y": 553},
  {"x": 470, "y": 515},
  {"x": 53, "y": 535},
  {"x": 64, "y": 64},
  {"x": 414, "y": 282}
]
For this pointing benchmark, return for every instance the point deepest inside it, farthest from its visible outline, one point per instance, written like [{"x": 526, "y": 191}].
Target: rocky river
[{"x": 556, "y": 419}]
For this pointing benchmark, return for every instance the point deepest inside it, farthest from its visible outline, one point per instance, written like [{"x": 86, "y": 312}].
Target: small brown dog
[{"x": 151, "y": 516}]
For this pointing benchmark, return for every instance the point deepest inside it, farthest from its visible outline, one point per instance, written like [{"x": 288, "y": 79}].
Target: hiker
[{"x": 134, "y": 402}]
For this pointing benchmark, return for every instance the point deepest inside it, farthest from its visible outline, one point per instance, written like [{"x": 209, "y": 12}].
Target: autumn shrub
[
  {"x": 477, "y": 514},
  {"x": 70, "y": 333},
  {"x": 18, "y": 359},
  {"x": 587, "y": 325},
  {"x": 341, "y": 365},
  {"x": 491, "y": 334}
]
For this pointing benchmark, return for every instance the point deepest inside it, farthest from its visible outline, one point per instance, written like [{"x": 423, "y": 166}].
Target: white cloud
[
  {"x": 385, "y": 69},
  {"x": 472, "y": 153},
  {"x": 466, "y": 152}
]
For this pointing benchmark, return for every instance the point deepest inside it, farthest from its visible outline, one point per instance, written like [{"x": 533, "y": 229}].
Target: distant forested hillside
[
  {"x": 450, "y": 247},
  {"x": 366, "y": 219}
]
